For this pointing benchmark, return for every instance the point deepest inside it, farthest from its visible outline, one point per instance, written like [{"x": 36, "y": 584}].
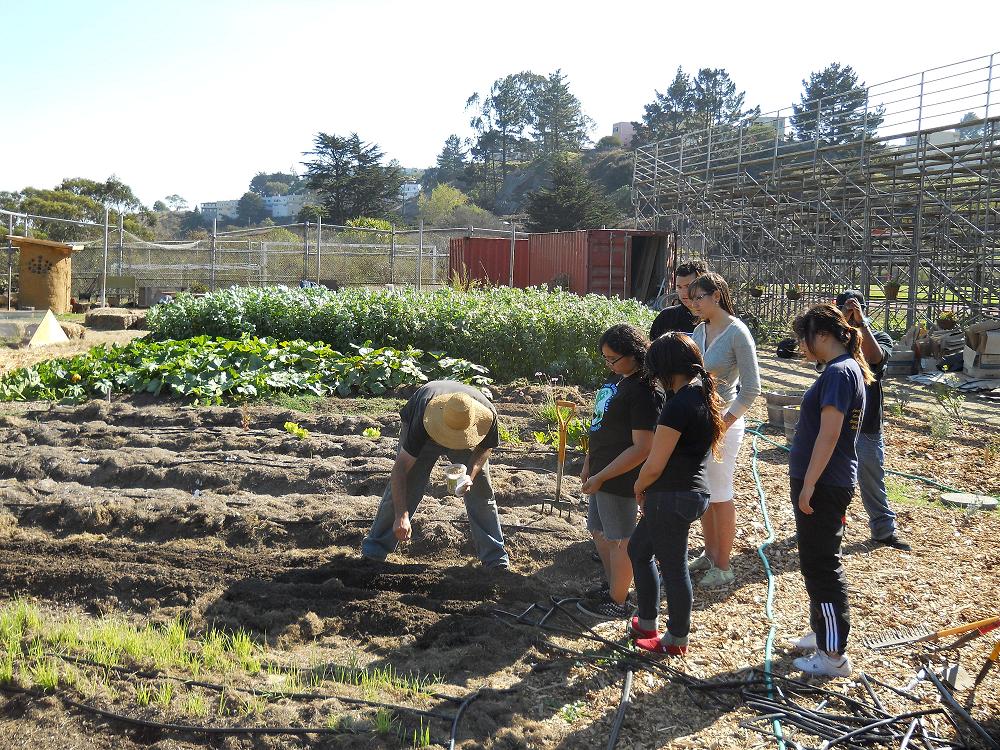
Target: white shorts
[{"x": 720, "y": 473}]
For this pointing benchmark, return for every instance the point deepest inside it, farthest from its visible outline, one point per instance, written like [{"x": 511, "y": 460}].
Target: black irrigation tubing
[
  {"x": 837, "y": 729},
  {"x": 954, "y": 706},
  {"x": 169, "y": 727},
  {"x": 616, "y": 725},
  {"x": 466, "y": 702},
  {"x": 156, "y": 674}
]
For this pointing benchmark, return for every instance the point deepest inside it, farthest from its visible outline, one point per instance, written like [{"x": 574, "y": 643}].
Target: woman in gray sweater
[{"x": 731, "y": 356}]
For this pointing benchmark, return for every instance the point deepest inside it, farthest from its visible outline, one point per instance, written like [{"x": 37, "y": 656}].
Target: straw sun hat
[{"x": 457, "y": 421}]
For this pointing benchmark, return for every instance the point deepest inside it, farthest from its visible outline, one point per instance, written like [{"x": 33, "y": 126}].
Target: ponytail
[
  {"x": 714, "y": 404},
  {"x": 674, "y": 353},
  {"x": 854, "y": 349}
]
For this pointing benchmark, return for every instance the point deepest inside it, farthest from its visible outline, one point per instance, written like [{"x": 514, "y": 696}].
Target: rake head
[{"x": 898, "y": 637}]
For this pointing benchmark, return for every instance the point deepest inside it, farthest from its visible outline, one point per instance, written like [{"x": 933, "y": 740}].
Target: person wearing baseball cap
[
  {"x": 443, "y": 417},
  {"x": 876, "y": 347}
]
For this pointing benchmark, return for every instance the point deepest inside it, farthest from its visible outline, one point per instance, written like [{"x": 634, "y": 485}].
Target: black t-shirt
[
  {"x": 412, "y": 415},
  {"x": 687, "y": 413},
  {"x": 673, "y": 318},
  {"x": 871, "y": 424},
  {"x": 620, "y": 407}
]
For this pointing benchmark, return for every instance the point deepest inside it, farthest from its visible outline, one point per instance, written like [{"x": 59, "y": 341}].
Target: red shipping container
[
  {"x": 487, "y": 259},
  {"x": 620, "y": 262}
]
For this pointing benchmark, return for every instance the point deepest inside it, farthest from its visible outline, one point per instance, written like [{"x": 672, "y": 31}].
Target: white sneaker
[
  {"x": 821, "y": 663},
  {"x": 700, "y": 563},
  {"x": 806, "y": 642}
]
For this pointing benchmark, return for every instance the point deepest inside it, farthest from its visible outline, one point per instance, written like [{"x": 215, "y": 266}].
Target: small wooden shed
[{"x": 44, "y": 274}]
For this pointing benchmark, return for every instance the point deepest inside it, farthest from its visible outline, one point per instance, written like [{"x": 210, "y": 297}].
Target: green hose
[{"x": 768, "y": 606}]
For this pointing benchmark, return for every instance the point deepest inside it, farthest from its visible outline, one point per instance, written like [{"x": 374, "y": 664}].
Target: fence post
[
  {"x": 420, "y": 252},
  {"x": 392, "y": 254},
  {"x": 104, "y": 271},
  {"x": 10, "y": 261},
  {"x": 121, "y": 244},
  {"x": 215, "y": 229},
  {"x": 319, "y": 246},
  {"x": 305, "y": 250}
]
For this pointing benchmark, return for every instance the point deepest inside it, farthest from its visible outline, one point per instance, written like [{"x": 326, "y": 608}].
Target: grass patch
[{"x": 305, "y": 403}]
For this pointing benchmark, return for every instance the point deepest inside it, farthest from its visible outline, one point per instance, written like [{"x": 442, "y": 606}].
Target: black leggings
[
  {"x": 819, "y": 538},
  {"x": 662, "y": 533}
]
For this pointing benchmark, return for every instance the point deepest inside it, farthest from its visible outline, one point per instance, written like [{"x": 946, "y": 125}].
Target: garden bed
[{"x": 218, "y": 517}]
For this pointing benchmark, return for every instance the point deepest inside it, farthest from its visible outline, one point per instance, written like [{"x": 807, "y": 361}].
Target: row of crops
[
  {"x": 512, "y": 332},
  {"x": 241, "y": 344}
]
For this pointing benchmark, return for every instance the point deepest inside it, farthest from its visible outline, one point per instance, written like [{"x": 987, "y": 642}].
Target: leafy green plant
[
  {"x": 293, "y": 429},
  {"x": 212, "y": 371},
  {"x": 373, "y": 433},
  {"x": 512, "y": 332},
  {"x": 508, "y": 433},
  {"x": 572, "y": 712}
]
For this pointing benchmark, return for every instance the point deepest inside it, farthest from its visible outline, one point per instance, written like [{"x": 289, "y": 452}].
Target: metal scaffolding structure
[{"x": 893, "y": 189}]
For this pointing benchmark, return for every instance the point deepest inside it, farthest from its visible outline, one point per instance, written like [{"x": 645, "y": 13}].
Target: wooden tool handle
[{"x": 985, "y": 625}]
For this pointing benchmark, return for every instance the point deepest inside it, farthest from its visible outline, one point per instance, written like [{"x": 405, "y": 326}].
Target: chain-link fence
[{"x": 125, "y": 268}]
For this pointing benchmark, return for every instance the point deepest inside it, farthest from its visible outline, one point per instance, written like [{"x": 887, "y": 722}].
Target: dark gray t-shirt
[
  {"x": 412, "y": 415},
  {"x": 872, "y": 422}
]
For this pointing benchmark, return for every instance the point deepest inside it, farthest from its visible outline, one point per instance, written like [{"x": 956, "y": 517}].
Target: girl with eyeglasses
[
  {"x": 621, "y": 432},
  {"x": 730, "y": 354},
  {"x": 672, "y": 491}
]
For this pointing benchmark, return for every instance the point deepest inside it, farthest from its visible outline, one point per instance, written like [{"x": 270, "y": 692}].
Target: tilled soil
[{"x": 219, "y": 516}]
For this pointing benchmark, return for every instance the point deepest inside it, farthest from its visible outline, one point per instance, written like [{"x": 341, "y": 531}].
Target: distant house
[
  {"x": 220, "y": 210},
  {"x": 625, "y": 132},
  {"x": 285, "y": 206},
  {"x": 409, "y": 190}
]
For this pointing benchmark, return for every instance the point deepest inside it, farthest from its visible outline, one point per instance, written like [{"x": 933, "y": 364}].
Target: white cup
[{"x": 453, "y": 474}]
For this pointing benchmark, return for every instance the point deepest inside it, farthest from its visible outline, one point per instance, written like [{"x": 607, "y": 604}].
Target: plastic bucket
[
  {"x": 776, "y": 402},
  {"x": 790, "y": 420}
]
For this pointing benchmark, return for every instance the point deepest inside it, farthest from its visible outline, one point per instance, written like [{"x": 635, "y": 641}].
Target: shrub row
[{"x": 512, "y": 332}]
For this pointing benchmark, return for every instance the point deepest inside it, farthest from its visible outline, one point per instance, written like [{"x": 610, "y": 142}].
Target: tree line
[{"x": 530, "y": 155}]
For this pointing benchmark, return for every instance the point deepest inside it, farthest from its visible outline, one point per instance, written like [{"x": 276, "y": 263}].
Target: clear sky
[{"x": 194, "y": 98}]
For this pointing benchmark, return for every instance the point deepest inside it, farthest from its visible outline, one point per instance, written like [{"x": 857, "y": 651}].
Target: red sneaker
[
  {"x": 663, "y": 646},
  {"x": 638, "y": 632}
]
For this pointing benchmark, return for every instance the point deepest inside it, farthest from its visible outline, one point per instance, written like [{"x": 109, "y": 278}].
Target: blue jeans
[
  {"x": 479, "y": 505},
  {"x": 662, "y": 533},
  {"x": 871, "y": 482}
]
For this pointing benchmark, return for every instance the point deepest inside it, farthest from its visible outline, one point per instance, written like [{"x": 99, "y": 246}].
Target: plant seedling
[{"x": 293, "y": 429}]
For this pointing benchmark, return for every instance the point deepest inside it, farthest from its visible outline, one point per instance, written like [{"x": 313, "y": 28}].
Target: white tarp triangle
[{"x": 48, "y": 332}]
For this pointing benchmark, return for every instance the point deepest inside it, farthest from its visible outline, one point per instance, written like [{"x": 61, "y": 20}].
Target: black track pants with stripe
[{"x": 819, "y": 537}]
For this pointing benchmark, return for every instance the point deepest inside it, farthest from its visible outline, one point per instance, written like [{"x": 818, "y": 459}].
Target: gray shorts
[{"x": 612, "y": 516}]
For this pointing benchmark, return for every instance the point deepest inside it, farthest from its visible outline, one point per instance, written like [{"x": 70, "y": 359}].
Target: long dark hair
[
  {"x": 710, "y": 283},
  {"x": 826, "y": 318},
  {"x": 628, "y": 341},
  {"x": 674, "y": 353}
]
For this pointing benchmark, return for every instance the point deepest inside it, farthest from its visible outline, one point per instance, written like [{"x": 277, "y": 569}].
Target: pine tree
[
  {"x": 715, "y": 101},
  {"x": 349, "y": 176},
  {"x": 832, "y": 108},
  {"x": 668, "y": 114},
  {"x": 558, "y": 120},
  {"x": 572, "y": 201}
]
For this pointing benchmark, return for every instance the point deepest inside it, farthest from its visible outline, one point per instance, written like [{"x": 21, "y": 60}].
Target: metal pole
[
  {"x": 104, "y": 271},
  {"x": 121, "y": 244},
  {"x": 420, "y": 252},
  {"x": 513, "y": 242},
  {"x": 319, "y": 246},
  {"x": 215, "y": 230},
  {"x": 392, "y": 255},
  {"x": 10, "y": 261},
  {"x": 305, "y": 251}
]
